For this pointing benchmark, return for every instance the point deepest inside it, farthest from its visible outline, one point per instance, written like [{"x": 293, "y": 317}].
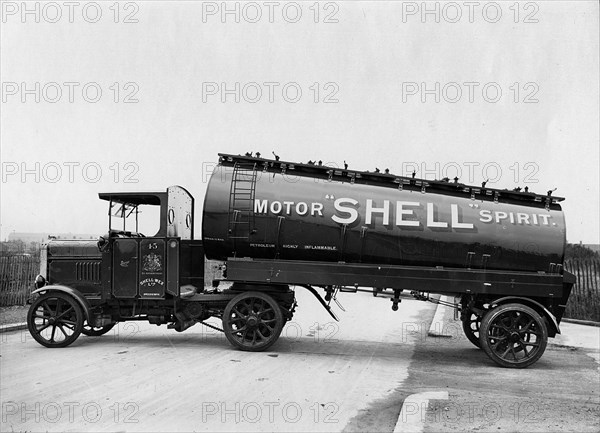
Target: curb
[
  {"x": 581, "y": 322},
  {"x": 13, "y": 327},
  {"x": 437, "y": 328},
  {"x": 413, "y": 413}
]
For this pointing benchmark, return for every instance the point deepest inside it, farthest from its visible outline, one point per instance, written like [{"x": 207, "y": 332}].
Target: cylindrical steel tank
[{"x": 359, "y": 217}]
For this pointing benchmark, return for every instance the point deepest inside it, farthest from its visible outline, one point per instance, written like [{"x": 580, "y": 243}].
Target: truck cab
[
  {"x": 125, "y": 275},
  {"x": 155, "y": 266}
]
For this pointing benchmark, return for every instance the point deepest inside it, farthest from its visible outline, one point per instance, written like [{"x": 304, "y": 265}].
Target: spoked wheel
[
  {"x": 471, "y": 326},
  {"x": 252, "y": 321},
  {"x": 513, "y": 335},
  {"x": 96, "y": 331},
  {"x": 55, "y": 319}
]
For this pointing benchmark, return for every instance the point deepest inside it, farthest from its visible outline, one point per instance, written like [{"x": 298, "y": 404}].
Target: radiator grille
[{"x": 88, "y": 271}]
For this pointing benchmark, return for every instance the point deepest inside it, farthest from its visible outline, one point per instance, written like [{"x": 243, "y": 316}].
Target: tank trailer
[{"x": 279, "y": 225}]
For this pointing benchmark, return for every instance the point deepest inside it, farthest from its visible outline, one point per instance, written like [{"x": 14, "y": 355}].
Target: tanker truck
[{"x": 280, "y": 226}]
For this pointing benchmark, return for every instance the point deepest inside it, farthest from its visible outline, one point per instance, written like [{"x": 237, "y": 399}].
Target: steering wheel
[{"x": 103, "y": 244}]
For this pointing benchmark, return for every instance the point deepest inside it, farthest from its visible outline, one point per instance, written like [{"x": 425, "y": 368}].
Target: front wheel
[
  {"x": 55, "y": 319},
  {"x": 96, "y": 331},
  {"x": 513, "y": 335},
  {"x": 252, "y": 321}
]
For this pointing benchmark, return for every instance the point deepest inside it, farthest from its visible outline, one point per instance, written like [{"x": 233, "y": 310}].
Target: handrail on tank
[{"x": 385, "y": 179}]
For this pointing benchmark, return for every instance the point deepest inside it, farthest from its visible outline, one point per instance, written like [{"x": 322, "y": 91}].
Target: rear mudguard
[
  {"x": 554, "y": 329},
  {"x": 83, "y": 302}
]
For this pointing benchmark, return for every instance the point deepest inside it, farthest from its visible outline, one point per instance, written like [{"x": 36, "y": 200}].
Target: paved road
[
  {"x": 320, "y": 376},
  {"x": 317, "y": 377},
  {"x": 560, "y": 392}
]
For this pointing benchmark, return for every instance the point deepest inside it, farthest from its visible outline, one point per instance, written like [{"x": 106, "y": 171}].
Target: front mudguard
[{"x": 81, "y": 300}]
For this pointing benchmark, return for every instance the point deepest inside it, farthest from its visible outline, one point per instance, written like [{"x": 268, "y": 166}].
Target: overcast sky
[{"x": 496, "y": 91}]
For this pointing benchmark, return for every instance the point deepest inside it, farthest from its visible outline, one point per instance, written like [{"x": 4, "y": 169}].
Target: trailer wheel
[
  {"x": 55, "y": 319},
  {"x": 471, "y": 326},
  {"x": 96, "y": 331},
  {"x": 513, "y": 335},
  {"x": 252, "y": 321}
]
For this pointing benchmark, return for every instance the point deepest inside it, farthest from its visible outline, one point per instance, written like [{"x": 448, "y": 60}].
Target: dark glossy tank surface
[{"x": 364, "y": 218}]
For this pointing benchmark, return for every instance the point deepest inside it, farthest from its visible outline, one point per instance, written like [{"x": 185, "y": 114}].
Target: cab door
[
  {"x": 125, "y": 268},
  {"x": 152, "y": 268},
  {"x": 139, "y": 268}
]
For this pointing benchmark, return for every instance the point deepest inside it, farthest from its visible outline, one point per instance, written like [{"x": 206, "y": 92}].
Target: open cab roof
[
  {"x": 134, "y": 198},
  {"x": 176, "y": 209}
]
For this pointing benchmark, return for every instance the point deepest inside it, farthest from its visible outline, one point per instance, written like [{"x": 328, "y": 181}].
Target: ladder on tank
[{"x": 241, "y": 201}]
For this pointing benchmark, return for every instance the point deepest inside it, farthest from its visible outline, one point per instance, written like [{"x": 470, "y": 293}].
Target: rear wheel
[
  {"x": 513, "y": 335},
  {"x": 96, "y": 331},
  {"x": 252, "y": 321},
  {"x": 55, "y": 319}
]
